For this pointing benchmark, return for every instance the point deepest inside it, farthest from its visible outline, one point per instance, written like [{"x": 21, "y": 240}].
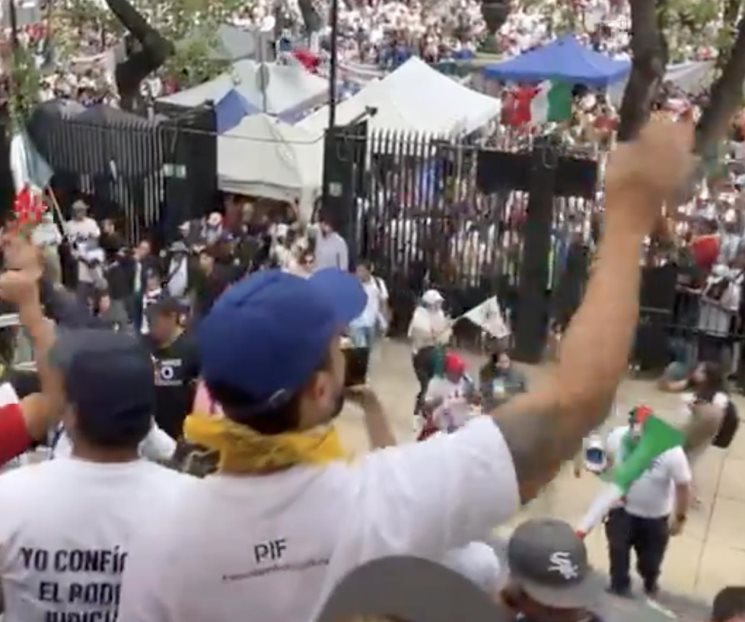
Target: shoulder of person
[
  {"x": 169, "y": 479},
  {"x": 674, "y": 458},
  {"x": 474, "y": 466},
  {"x": 15, "y": 481},
  {"x": 721, "y": 400}
]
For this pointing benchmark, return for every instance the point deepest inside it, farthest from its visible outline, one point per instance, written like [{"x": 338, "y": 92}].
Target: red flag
[{"x": 28, "y": 207}]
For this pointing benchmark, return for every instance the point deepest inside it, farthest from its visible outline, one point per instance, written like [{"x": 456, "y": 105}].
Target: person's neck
[{"x": 105, "y": 456}]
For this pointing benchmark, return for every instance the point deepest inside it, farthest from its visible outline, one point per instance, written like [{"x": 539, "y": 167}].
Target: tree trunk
[
  {"x": 495, "y": 13},
  {"x": 731, "y": 12},
  {"x": 650, "y": 53},
  {"x": 726, "y": 94},
  {"x": 153, "y": 51},
  {"x": 311, "y": 20}
]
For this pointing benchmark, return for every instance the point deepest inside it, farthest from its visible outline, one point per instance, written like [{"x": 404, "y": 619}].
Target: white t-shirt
[
  {"x": 377, "y": 295},
  {"x": 80, "y": 232},
  {"x": 453, "y": 410},
  {"x": 277, "y": 545},
  {"x": 653, "y": 494},
  {"x": 479, "y": 563},
  {"x": 65, "y": 531},
  {"x": 428, "y": 328},
  {"x": 84, "y": 229},
  {"x": 156, "y": 446}
]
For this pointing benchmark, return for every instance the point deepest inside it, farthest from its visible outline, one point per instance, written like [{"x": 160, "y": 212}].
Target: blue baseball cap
[
  {"x": 267, "y": 334},
  {"x": 108, "y": 376}
]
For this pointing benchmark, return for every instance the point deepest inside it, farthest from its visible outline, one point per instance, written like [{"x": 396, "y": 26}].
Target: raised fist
[{"x": 644, "y": 173}]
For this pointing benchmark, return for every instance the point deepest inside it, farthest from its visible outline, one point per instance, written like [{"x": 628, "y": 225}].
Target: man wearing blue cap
[
  {"x": 287, "y": 516},
  {"x": 66, "y": 524}
]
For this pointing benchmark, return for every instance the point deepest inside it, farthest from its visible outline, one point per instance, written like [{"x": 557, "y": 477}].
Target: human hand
[
  {"x": 363, "y": 396},
  {"x": 644, "y": 173},
  {"x": 675, "y": 528}
]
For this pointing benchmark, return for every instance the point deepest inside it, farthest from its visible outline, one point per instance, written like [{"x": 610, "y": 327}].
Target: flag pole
[{"x": 56, "y": 209}]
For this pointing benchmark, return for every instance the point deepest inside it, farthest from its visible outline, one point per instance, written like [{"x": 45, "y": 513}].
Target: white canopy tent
[
  {"x": 275, "y": 90},
  {"x": 692, "y": 77},
  {"x": 265, "y": 157},
  {"x": 414, "y": 98}
]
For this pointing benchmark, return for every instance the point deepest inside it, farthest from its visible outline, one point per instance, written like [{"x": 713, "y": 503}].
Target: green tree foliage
[
  {"x": 688, "y": 24},
  {"x": 24, "y": 86},
  {"x": 190, "y": 24}
]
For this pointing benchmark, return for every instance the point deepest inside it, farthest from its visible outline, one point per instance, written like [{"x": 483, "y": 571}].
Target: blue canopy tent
[
  {"x": 563, "y": 59},
  {"x": 231, "y": 109}
]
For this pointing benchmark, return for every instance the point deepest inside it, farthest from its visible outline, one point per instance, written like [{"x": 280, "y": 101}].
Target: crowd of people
[{"x": 225, "y": 370}]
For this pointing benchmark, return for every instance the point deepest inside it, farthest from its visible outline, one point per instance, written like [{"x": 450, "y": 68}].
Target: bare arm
[
  {"x": 545, "y": 427},
  {"x": 703, "y": 426},
  {"x": 378, "y": 429},
  {"x": 376, "y": 423},
  {"x": 20, "y": 286},
  {"x": 682, "y": 499}
]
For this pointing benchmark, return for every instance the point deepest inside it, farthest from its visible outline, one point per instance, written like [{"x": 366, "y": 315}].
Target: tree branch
[
  {"x": 650, "y": 54},
  {"x": 726, "y": 94},
  {"x": 153, "y": 52}
]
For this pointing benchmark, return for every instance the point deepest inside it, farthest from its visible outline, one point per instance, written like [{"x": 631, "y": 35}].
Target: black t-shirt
[
  {"x": 176, "y": 369},
  {"x": 209, "y": 288}
]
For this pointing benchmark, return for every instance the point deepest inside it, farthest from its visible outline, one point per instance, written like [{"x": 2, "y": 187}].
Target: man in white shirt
[
  {"x": 655, "y": 508},
  {"x": 66, "y": 524},
  {"x": 286, "y": 516},
  {"x": 83, "y": 233},
  {"x": 374, "y": 318}
]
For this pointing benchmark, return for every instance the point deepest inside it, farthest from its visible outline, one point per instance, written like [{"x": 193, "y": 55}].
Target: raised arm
[
  {"x": 20, "y": 287},
  {"x": 545, "y": 426}
]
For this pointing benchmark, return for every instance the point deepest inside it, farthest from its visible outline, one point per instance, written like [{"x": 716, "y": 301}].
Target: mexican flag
[
  {"x": 636, "y": 456},
  {"x": 551, "y": 103}
]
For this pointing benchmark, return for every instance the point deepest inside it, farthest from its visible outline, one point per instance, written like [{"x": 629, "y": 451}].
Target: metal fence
[
  {"x": 117, "y": 160},
  {"x": 423, "y": 221}
]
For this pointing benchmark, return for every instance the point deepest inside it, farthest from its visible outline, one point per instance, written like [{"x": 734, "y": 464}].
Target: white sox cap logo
[{"x": 561, "y": 562}]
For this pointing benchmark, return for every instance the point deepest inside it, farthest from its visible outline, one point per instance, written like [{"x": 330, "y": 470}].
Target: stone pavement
[{"x": 709, "y": 555}]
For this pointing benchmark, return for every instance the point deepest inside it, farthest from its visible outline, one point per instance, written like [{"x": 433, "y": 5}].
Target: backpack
[{"x": 728, "y": 427}]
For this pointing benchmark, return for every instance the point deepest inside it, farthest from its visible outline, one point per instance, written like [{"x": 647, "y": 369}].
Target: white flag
[{"x": 488, "y": 316}]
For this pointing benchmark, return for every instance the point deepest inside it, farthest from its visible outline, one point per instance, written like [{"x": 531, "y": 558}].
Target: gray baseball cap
[{"x": 549, "y": 562}]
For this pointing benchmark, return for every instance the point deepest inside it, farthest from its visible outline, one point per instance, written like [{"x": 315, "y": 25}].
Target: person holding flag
[{"x": 650, "y": 483}]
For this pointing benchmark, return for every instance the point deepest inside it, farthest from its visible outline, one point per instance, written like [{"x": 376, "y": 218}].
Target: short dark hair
[
  {"x": 165, "y": 306},
  {"x": 127, "y": 433},
  {"x": 211, "y": 251},
  {"x": 247, "y": 410},
  {"x": 729, "y": 603}
]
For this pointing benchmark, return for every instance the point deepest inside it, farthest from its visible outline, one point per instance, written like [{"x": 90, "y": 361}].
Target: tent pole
[{"x": 333, "y": 62}]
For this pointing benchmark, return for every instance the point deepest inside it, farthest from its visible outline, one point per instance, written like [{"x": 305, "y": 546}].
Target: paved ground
[{"x": 707, "y": 556}]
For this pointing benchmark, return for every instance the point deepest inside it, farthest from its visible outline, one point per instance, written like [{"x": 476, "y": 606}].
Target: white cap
[{"x": 432, "y": 297}]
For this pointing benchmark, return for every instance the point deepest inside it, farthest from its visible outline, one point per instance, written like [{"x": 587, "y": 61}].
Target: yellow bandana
[{"x": 244, "y": 451}]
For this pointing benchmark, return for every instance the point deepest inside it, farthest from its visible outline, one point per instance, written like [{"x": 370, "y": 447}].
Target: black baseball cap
[
  {"x": 549, "y": 562},
  {"x": 108, "y": 376}
]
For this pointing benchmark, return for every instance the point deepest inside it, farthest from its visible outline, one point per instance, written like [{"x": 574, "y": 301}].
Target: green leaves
[
  {"x": 24, "y": 88},
  {"x": 191, "y": 25}
]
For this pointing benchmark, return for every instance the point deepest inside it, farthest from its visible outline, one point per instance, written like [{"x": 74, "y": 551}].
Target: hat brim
[
  {"x": 583, "y": 595},
  {"x": 343, "y": 291}
]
